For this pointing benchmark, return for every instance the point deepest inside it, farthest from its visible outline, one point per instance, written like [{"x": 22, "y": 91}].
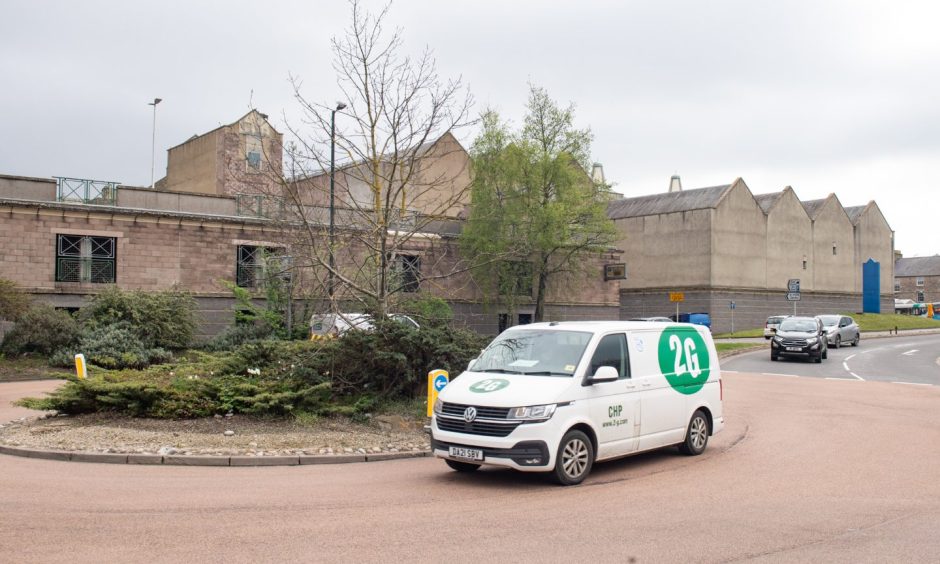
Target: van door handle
[{"x": 647, "y": 384}]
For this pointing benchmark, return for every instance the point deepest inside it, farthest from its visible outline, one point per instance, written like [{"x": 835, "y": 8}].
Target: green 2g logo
[
  {"x": 683, "y": 359},
  {"x": 489, "y": 385}
]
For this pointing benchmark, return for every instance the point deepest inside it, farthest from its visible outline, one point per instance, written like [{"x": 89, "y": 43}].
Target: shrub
[
  {"x": 236, "y": 335},
  {"x": 158, "y": 319},
  {"x": 13, "y": 302},
  {"x": 429, "y": 311},
  {"x": 111, "y": 346},
  {"x": 41, "y": 329}
]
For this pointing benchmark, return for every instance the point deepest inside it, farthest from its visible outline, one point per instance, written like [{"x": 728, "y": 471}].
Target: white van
[{"x": 556, "y": 397}]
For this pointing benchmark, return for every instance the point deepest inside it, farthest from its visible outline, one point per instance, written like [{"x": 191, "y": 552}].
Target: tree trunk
[{"x": 540, "y": 291}]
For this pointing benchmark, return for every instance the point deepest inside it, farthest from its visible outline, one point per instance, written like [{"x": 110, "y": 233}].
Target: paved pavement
[{"x": 10, "y": 391}]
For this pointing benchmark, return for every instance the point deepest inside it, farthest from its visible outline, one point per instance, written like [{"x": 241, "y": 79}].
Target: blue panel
[{"x": 871, "y": 287}]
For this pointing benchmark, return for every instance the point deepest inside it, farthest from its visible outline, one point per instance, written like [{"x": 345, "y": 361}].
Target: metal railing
[
  {"x": 84, "y": 191},
  {"x": 252, "y": 205},
  {"x": 96, "y": 271}
]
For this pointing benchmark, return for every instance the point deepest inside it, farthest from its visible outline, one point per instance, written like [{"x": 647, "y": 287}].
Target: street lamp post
[
  {"x": 330, "y": 287},
  {"x": 153, "y": 139}
]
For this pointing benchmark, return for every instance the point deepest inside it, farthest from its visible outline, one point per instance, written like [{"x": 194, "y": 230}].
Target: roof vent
[
  {"x": 597, "y": 174},
  {"x": 675, "y": 184}
]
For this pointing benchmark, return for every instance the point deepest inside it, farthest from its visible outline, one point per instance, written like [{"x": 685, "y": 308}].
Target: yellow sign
[
  {"x": 676, "y": 297},
  {"x": 437, "y": 379},
  {"x": 80, "y": 366}
]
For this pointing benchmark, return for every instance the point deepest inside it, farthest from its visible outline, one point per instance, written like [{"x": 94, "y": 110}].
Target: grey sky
[{"x": 825, "y": 96}]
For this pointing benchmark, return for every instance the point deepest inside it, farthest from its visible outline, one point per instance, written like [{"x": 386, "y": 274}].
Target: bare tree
[{"x": 401, "y": 179}]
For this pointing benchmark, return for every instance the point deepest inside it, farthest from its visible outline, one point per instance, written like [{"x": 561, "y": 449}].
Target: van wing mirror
[
  {"x": 471, "y": 363},
  {"x": 605, "y": 374}
]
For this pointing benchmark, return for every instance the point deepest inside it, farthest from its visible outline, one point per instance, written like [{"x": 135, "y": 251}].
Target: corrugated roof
[
  {"x": 917, "y": 266},
  {"x": 767, "y": 201},
  {"x": 669, "y": 202}
]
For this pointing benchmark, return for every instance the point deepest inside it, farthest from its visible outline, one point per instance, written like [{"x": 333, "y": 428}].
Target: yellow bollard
[
  {"x": 437, "y": 379},
  {"x": 80, "y": 366}
]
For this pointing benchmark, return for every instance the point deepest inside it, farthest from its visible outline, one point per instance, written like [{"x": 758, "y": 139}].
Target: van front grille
[
  {"x": 483, "y": 412},
  {"x": 477, "y": 427}
]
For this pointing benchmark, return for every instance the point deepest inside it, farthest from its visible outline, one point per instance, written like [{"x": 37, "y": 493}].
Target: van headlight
[
  {"x": 533, "y": 412},
  {"x": 438, "y": 406}
]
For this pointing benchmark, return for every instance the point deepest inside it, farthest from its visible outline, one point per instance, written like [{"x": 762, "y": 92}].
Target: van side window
[{"x": 612, "y": 351}]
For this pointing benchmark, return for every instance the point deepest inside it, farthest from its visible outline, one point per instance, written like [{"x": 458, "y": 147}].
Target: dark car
[{"x": 800, "y": 336}]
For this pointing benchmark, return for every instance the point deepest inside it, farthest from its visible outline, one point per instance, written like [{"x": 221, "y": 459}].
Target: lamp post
[
  {"x": 153, "y": 139},
  {"x": 330, "y": 287}
]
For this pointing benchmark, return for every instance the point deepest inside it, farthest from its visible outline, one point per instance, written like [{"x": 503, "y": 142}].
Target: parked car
[
  {"x": 800, "y": 336},
  {"x": 840, "y": 329},
  {"x": 770, "y": 328},
  {"x": 694, "y": 318},
  {"x": 334, "y": 325},
  {"x": 653, "y": 319}
]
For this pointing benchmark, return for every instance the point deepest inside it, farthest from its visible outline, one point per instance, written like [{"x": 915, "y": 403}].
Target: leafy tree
[
  {"x": 13, "y": 302},
  {"x": 536, "y": 213}
]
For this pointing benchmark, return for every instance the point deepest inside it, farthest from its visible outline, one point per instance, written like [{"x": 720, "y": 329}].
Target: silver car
[
  {"x": 770, "y": 328},
  {"x": 840, "y": 329}
]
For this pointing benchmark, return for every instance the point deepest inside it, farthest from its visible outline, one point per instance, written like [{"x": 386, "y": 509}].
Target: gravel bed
[{"x": 224, "y": 436}]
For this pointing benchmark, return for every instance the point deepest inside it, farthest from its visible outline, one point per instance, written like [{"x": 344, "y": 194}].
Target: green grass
[
  {"x": 728, "y": 347},
  {"x": 887, "y": 322}
]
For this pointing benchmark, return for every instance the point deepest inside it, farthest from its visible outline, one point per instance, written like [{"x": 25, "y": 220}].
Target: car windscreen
[
  {"x": 534, "y": 352},
  {"x": 829, "y": 320},
  {"x": 798, "y": 325},
  {"x": 775, "y": 320}
]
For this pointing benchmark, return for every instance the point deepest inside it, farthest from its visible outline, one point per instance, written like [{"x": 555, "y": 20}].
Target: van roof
[{"x": 594, "y": 326}]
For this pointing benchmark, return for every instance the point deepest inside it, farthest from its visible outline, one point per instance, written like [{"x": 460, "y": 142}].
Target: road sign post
[
  {"x": 793, "y": 292},
  {"x": 437, "y": 379},
  {"x": 732, "y": 316},
  {"x": 676, "y": 297}
]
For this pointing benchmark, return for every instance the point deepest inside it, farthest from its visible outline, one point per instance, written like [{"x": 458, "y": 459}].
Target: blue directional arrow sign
[{"x": 440, "y": 382}]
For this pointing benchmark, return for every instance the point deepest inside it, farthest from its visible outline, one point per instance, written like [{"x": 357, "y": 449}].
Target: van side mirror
[
  {"x": 471, "y": 363},
  {"x": 605, "y": 374}
]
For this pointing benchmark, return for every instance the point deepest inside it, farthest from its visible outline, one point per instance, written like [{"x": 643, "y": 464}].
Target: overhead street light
[
  {"x": 331, "y": 285},
  {"x": 153, "y": 139}
]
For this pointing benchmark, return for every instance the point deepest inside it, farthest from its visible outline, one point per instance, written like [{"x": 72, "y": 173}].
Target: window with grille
[
  {"x": 253, "y": 150},
  {"x": 920, "y": 296},
  {"x": 250, "y": 270},
  {"x": 408, "y": 271},
  {"x": 81, "y": 258},
  {"x": 920, "y": 281},
  {"x": 897, "y": 285}
]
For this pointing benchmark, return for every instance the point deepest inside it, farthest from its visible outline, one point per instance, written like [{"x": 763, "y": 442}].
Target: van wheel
[
  {"x": 462, "y": 466},
  {"x": 696, "y": 438},
  {"x": 575, "y": 458}
]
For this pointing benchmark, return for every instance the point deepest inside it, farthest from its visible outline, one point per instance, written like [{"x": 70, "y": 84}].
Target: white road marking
[
  {"x": 846, "y": 366},
  {"x": 848, "y": 358},
  {"x": 857, "y": 376},
  {"x": 777, "y": 374},
  {"x": 845, "y": 379},
  {"x": 913, "y": 383},
  {"x": 910, "y": 352},
  {"x": 730, "y": 372}
]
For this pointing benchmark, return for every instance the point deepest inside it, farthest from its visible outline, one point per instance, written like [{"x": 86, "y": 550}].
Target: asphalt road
[
  {"x": 806, "y": 470},
  {"x": 904, "y": 360}
]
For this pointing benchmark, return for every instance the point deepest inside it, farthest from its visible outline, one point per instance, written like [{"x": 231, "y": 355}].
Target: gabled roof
[
  {"x": 854, "y": 212},
  {"x": 917, "y": 266},
  {"x": 669, "y": 202},
  {"x": 198, "y": 135},
  {"x": 812, "y": 207},
  {"x": 767, "y": 201}
]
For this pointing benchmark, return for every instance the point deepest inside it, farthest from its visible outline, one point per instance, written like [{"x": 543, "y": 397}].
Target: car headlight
[
  {"x": 811, "y": 340},
  {"x": 778, "y": 339},
  {"x": 533, "y": 412},
  {"x": 438, "y": 406}
]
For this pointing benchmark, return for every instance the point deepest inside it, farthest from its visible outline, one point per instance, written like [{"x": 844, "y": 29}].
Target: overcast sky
[{"x": 824, "y": 96}]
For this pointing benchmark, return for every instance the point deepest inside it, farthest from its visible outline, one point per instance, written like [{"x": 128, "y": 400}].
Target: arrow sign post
[
  {"x": 793, "y": 292},
  {"x": 437, "y": 379}
]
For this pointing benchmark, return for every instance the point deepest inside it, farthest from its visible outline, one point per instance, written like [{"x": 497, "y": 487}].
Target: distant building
[
  {"x": 723, "y": 244},
  {"x": 917, "y": 279}
]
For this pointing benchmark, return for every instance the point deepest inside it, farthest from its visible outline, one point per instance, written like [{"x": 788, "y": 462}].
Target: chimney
[
  {"x": 597, "y": 174},
  {"x": 675, "y": 185}
]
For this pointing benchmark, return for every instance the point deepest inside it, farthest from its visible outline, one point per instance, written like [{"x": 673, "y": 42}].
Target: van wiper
[
  {"x": 501, "y": 371},
  {"x": 546, "y": 373}
]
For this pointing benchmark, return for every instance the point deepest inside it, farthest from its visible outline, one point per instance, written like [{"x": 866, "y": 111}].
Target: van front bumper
[{"x": 524, "y": 455}]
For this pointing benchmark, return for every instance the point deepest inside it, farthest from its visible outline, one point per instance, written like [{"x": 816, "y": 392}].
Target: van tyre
[
  {"x": 462, "y": 466},
  {"x": 696, "y": 437},
  {"x": 574, "y": 459}
]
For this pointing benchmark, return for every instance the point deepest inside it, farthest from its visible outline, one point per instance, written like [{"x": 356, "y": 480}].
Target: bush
[
  {"x": 236, "y": 335},
  {"x": 41, "y": 329},
  {"x": 111, "y": 346},
  {"x": 13, "y": 302},
  {"x": 429, "y": 311},
  {"x": 158, "y": 319}
]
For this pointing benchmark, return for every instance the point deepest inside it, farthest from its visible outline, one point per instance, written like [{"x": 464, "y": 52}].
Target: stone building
[
  {"x": 723, "y": 244},
  {"x": 917, "y": 279}
]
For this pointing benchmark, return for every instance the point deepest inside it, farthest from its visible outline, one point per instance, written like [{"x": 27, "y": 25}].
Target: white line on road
[
  {"x": 730, "y": 371},
  {"x": 848, "y": 358},
  {"x": 913, "y": 383},
  {"x": 776, "y": 374},
  {"x": 910, "y": 352},
  {"x": 857, "y": 376},
  {"x": 846, "y": 366},
  {"x": 845, "y": 379}
]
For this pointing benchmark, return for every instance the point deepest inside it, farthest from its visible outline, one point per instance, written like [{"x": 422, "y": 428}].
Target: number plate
[
  {"x": 466, "y": 453},
  {"x": 795, "y": 349}
]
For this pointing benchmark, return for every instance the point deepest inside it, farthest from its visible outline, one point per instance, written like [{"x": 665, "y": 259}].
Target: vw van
[{"x": 558, "y": 397}]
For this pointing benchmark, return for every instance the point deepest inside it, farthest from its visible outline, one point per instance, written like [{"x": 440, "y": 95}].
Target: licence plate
[
  {"x": 795, "y": 349},
  {"x": 465, "y": 453}
]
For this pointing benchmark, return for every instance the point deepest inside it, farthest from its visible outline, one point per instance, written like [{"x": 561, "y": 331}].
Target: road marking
[
  {"x": 777, "y": 374},
  {"x": 913, "y": 383},
  {"x": 846, "y": 366},
  {"x": 846, "y": 379},
  {"x": 910, "y": 352},
  {"x": 730, "y": 372},
  {"x": 857, "y": 376},
  {"x": 848, "y": 358}
]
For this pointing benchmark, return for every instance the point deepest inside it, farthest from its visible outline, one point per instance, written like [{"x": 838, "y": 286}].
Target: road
[
  {"x": 904, "y": 360},
  {"x": 807, "y": 469}
]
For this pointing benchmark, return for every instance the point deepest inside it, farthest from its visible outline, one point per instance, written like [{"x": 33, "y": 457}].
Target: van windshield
[{"x": 534, "y": 352}]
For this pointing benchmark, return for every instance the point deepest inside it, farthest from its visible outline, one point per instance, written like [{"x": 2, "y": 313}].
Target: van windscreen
[{"x": 534, "y": 352}]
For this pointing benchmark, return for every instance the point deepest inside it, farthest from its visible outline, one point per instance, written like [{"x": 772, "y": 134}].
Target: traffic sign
[
  {"x": 793, "y": 296},
  {"x": 793, "y": 285},
  {"x": 676, "y": 297},
  {"x": 437, "y": 379},
  {"x": 732, "y": 304},
  {"x": 440, "y": 382}
]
